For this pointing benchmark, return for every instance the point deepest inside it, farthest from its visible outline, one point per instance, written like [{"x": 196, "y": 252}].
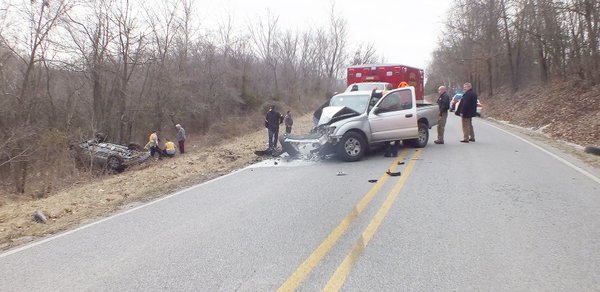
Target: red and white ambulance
[{"x": 390, "y": 73}]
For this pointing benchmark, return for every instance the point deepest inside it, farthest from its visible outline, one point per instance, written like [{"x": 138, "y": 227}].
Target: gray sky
[{"x": 403, "y": 31}]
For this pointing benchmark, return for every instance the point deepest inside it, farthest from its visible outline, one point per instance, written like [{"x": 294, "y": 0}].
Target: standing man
[
  {"x": 467, "y": 109},
  {"x": 272, "y": 121},
  {"x": 444, "y": 104},
  {"x": 180, "y": 138},
  {"x": 288, "y": 121}
]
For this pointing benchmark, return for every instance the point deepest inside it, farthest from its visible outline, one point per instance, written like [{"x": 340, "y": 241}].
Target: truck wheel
[
  {"x": 352, "y": 147},
  {"x": 423, "y": 137},
  {"x": 114, "y": 163}
]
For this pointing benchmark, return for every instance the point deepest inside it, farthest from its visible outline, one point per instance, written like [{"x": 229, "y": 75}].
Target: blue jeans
[{"x": 273, "y": 135}]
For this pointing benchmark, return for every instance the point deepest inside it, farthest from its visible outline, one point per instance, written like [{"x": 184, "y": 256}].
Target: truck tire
[
  {"x": 423, "y": 137},
  {"x": 114, "y": 163},
  {"x": 352, "y": 147}
]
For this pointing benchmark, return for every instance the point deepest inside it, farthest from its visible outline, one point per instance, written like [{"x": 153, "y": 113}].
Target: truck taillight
[{"x": 358, "y": 75}]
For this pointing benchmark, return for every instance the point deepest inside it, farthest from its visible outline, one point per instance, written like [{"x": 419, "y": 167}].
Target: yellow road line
[
  {"x": 342, "y": 272},
  {"x": 306, "y": 267}
]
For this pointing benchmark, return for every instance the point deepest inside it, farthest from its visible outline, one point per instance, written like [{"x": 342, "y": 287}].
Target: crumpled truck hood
[{"x": 333, "y": 114}]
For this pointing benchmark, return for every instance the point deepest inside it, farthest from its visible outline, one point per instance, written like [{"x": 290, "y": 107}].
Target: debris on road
[{"x": 388, "y": 172}]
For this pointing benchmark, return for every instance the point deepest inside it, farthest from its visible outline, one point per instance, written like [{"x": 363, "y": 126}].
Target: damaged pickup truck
[{"x": 355, "y": 121}]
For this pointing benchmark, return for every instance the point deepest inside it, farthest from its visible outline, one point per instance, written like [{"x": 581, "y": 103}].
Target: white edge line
[
  {"x": 579, "y": 169},
  {"x": 36, "y": 243}
]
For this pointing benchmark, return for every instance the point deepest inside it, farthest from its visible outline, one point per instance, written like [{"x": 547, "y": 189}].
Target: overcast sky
[{"x": 403, "y": 31}]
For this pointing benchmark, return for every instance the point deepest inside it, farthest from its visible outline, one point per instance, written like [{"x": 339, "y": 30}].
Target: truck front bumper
[{"x": 303, "y": 144}]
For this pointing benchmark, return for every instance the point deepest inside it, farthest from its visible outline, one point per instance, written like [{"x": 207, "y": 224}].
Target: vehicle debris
[
  {"x": 388, "y": 172},
  {"x": 40, "y": 217}
]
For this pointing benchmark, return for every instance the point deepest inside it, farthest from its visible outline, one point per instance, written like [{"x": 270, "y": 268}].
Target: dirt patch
[
  {"x": 563, "y": 115},
  {"x": 563, "y": 111}
]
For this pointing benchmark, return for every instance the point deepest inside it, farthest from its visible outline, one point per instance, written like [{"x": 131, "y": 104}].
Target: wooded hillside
[
  {"x": 518, "y": 43},
  {"x": 70, "y": 69}
]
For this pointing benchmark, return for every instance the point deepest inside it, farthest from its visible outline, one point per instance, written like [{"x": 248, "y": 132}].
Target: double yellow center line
[{"x": 342, "y": 272}]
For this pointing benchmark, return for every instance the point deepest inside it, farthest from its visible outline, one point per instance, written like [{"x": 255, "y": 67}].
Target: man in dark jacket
[
  {"x": 444, "y": 104},
  {"x": 272, "y": 121},
  {"x": 467, "y": 109}
]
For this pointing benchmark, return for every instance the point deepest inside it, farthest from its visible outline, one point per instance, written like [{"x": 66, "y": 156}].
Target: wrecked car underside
[{"x": 112, "y": 156}]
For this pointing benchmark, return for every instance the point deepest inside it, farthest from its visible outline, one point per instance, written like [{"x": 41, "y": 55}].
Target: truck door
[{"x": 394, "y": 117}]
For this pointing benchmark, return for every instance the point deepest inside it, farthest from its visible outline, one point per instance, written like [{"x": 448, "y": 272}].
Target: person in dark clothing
[
  {"x": 389, "y": 150},
  {"x": 272, "y": 121},
  {"x": 467, "y": 109},
  {"x": 444, "y": 104},
  {"x": 288, "y": 121}
]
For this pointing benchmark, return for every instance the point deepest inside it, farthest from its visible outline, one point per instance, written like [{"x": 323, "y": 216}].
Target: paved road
[{"x": 499, "y": 214}]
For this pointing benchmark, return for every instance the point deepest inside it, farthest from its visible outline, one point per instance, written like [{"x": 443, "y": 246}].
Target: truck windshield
[
  {"x": 367, "y": 86},
  {"x": 357, "y": 103}
]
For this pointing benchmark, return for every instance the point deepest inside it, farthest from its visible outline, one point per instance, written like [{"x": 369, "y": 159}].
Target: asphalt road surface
[{"x": 500, "y": 214}]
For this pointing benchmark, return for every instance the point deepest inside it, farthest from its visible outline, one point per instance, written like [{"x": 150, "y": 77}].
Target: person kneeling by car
[{"x": 169, "y": 149}]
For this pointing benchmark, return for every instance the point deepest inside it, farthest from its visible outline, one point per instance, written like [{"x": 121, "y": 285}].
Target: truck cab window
[
  {"x": 390, "y": 103},
  {"x": 405, "y": 99}
]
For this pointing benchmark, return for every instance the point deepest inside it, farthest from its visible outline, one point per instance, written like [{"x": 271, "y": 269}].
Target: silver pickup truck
[{"x": 356, "y": 120}]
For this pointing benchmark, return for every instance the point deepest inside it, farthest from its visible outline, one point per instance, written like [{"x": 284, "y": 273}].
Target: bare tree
[
  {"x": 41, "y": 19},
  {"x": 92, "y": 37},
  {"x": 130, "y": 47},
  {"x": 336, "y": 58},
  {"x": 264, "y": 35},
  {"x": 365, "y": 54},
  {"x": 164, "y": 27}
]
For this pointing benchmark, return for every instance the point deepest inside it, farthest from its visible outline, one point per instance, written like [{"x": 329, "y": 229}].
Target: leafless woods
[
  {"x": 70, "y": 68},
  {"x": 516, "y": 43}
]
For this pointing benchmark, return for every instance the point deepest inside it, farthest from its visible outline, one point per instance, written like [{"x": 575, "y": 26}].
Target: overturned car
[{"x": 108, "y": 155}]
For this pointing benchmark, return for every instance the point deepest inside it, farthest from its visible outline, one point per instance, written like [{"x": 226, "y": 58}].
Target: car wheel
[
  {"x": 114, "y": 163},
  {"x": 423, "y": 138},
  {"x": 352, "y": 147}
]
